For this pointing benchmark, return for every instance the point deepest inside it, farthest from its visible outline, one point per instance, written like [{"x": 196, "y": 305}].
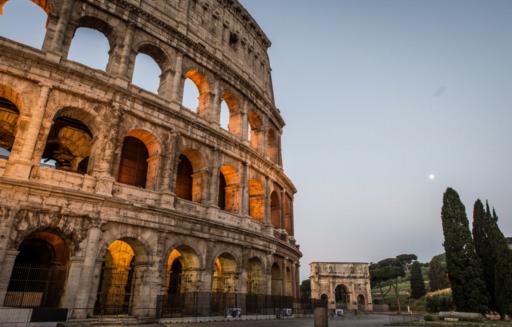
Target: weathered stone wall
[
  {"x": 353, "y": 277},
  {"x": 215, "y": 42}
]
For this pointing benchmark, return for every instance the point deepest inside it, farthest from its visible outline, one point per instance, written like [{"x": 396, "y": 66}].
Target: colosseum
[{"x": 118, "y": 200}]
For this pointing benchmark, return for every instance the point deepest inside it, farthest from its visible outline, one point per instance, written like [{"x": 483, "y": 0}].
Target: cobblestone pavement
[{"x": 366, "y": 320}]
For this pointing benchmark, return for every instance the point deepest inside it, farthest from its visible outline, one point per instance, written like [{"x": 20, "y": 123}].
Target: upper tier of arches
[{"x": 120, "y": 46}]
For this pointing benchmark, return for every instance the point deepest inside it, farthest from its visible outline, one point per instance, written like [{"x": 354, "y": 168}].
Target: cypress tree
[
  {"x": 464, "y": 271},
  {"x": 437, "y": 274},
  {"x": 417, "y": 282},
  {"x": 485, "y": 246},
  {"x": 502, "y": 268}
]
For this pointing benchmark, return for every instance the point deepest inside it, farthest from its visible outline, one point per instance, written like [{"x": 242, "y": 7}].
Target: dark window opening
[
  {"x": 133, "y": 167},
  {"x": 184, "y": 179},
  {"x": 222, "y": 191}
]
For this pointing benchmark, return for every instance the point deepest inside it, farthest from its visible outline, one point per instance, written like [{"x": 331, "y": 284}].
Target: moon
[{"x": 431, "y": 177}]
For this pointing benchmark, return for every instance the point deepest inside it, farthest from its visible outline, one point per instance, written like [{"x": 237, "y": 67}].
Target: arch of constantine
[
  {"x": 344, "y": 285},
  {"x": 117, "y": 200}
]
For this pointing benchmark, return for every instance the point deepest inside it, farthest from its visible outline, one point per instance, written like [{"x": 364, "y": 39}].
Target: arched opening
[
  {"x": 118, "y": 279},
  {"x": 9, "y": 115},
  {"x": 69, "y": 142},
  {"x": 230, "y": 117},
  {"x": 140, "y": 159},
  {"x": 146, "y": 73},
  {"x": 224, "y": 283},
  {"x": 341, "y": 296},
  {"x": 277, "y": 281},
  {"x": 361, "y": 303},
  {"x": 91, "y": 34},
  {"x": 289, "y": 282},
  {"x": 196, "y": 92},
  {"x": 275, "y": 210},
  {"x": 324, "y": 300},
  {"x": 273, "y": 146},
  {"x": 181, "y": 279},
  {"x": 184, "y": 179},
  {"x": 255, "y": 130},
  {"x": 228, "y": 189},
  {"x": 256, "y": 200},
  {"x": 149, "y": 69},
  {"x": 133, "y": 167},
  {"x": 32, "y": 31},
  {"x": 288, "y": 226},
  {"x": 39, "y": 272},
  {"x": 224, "y": 115},
  {"x": 189, "y": 176}
]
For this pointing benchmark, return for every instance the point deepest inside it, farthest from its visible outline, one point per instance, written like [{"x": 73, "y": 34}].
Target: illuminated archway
[
  {"x": 197, "y": 99},
  {"x": 255, "y": 132},
  {"x": 256, "y": 200},
  {"x": 275, "y": 210},
  {"x": 228, "y": 189},
  {"x": 9, "y": 114},
  {"x": 190, "y": 176},
  {"x": 230, "y": 114},
  {"x": 224, "y": 283},
  {"x": 342, "y": 297},
  {"x": 277, "y": 281}
]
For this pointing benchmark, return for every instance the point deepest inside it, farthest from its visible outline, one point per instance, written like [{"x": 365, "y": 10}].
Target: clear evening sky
[{"x": 377, "y": 96}]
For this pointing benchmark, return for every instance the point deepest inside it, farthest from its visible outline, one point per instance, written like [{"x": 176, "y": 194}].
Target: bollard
[{"x": 321, "y": 319}]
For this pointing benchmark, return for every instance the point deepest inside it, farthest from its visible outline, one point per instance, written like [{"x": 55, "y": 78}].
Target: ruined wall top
[{"x": 341, "y": 269}]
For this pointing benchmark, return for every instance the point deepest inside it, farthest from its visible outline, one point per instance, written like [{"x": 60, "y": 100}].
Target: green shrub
[
  {"x": 428, "y": 318},
  {"x": 439, "y": 302}
]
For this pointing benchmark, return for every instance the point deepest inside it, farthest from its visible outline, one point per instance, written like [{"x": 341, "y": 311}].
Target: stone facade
[
  {"x": 344, "y": 285},
  {"x": 205, "y": 210}
]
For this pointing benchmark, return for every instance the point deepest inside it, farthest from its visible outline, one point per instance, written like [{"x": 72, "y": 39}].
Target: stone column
[
  {"x": 73, "y": 283},
  {"x": 214, "y": 109},
  {"x": 86, "y": 277},
  {"x": 103, "y": 167},
  {"x": 20, "y": 161},
  {"x": 167, "y": 167},
  {"x": 5, "y": 272},
  {"x": 178, "y": 81},
  {"x": 281, "y": 210},
  {"x": 56, "y": 31},
  {"x": 214, "y": 179},
  {"x": 245, "y": 121},
  {"x": 264, "y": 131},
  {"x": 297, "y": 280},
  {"x": 124, "y": 70},
  {"x": 244, "y": 188},
  {"x": 6, "y": 221},
  {"x": 145, "y": 291},
  {"x": 88, "y": 309},
  {"x": 266, "y": 219}
]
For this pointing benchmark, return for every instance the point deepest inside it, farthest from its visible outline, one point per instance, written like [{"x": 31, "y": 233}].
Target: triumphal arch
[
  {"x": 344, "y": 285},
  {"x": 119, "y": 200}
]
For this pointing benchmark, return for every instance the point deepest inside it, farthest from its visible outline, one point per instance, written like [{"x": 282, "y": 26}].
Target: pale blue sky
[{"x": 377, "y": 95}]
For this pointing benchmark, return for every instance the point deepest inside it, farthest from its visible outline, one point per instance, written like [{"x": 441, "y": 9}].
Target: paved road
[{"x": 366, "y": 320}]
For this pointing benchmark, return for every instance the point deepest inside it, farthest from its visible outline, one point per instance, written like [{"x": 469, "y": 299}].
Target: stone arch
[
  {"x": 182, "y": 270},
  {"x": 361, "y": 302},
  {"x": 273, "y": 145},
  {"x": 275, "y": 209},
  {"x": 160, "y": 58},
  {"x": 40, "y": 270},
  {"x": 256, "y": 200},
  {"x": 46, "y": 5},
  {"x": 255, "y": 131},
  {"x": 190, "y": 175},
  {"x": 276, "y": 280},
  {"x": 95, "y": 23},
  {"x": 342, "y": 296},
  {"x": 140, "y": 159},
  {"x": 203, "y": 88},
  {"x": 225, "y": 270},
  {"x": 120, "y": 280},
  {"x": 70, "y": 140},
  {"x": 10, "y": 104},
  {"x": 234, "y": 125},
  {"x": 73, "y": 229},
  {"x": 229, "y": 184}
]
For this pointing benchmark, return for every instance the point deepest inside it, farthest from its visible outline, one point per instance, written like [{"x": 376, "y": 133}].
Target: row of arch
[
  {"x": 42, "y": 267},
  {"x": 70, "y": 146},
  {"x": 185, "y": 83}
]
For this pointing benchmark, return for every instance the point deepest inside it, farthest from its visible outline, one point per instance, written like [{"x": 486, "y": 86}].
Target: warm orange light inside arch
[{"x": 43, "y": 4}]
